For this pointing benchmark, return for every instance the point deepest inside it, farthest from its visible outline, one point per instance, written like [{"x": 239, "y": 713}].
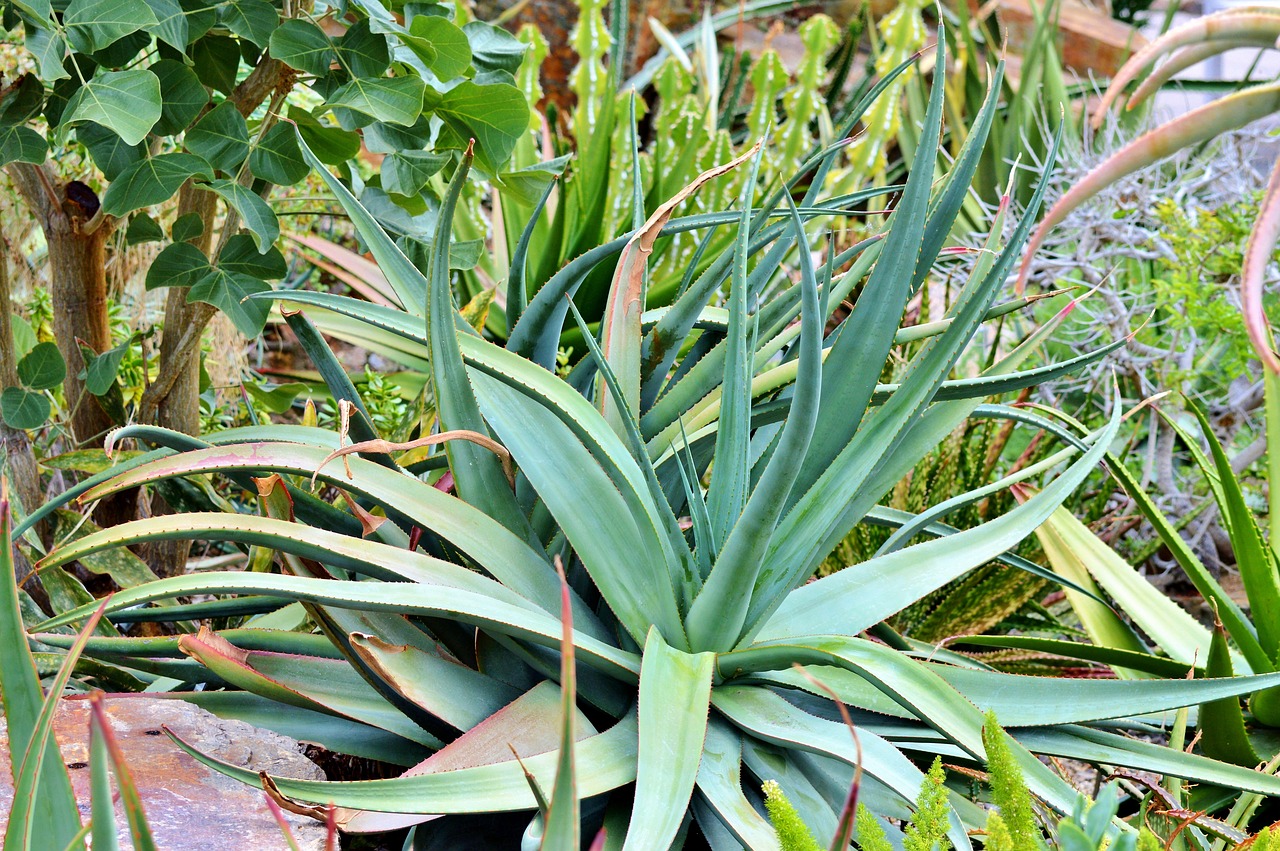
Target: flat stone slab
[{"x": 190, "y": 807}]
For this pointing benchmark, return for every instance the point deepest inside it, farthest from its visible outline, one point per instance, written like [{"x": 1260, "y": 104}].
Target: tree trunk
[
  {"x": 18, "y": 463},
  {"x": 78, "y": 273}
]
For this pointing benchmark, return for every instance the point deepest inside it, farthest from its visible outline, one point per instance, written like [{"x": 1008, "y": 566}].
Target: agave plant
[{"x": 691, "y": 476}]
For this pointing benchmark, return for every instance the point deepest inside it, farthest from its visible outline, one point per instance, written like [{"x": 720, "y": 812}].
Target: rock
[{"x": 189, "y": 807}]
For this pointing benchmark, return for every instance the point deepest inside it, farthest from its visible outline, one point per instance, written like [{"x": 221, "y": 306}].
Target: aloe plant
[{"x": 691, "y": 475}]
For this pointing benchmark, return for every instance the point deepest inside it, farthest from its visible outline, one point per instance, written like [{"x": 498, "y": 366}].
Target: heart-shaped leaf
[
  {"x": 95, "y": 24},
  {"x": 395, "y": 100},
  {"x": 127, "y": 102},
  {"x": 171, "y": 25},
  {"x": 493, "y": 48},
  {"x": 179, "y": 265},
  {"x": 23, "y": 409},
  {"x": 406, "y": 172},
  {"x": 182, "y": 93},
  {"x": 109, "y": 152},
  {"x": 277, "y": 159},
  {"x": 43, "y": 368},
  {"x": 452, "y": 50},
  {"x": 331, "y": 145},
  {"x": 493, "y": 115},
  {"x": 363, "y": 52},
  {"x": 22, "y": 144},
  {"x": 151, "y": 181},
  {"x": 254, "y": 212},
  {"x": 241, "y": 255},
  {"x": 227, "y": 291},
  {"x": 187, "y": 227},
  {"x": 221, "y": 137},
  {"x": 254, "y": 20},
  {"x": 304, "y": 46},
  {"x": 142, "y": 229}
]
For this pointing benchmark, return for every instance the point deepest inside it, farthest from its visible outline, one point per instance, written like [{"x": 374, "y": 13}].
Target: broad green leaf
[
  {"x": 178, "y": 265},
  {"x": 182, "y": 94},
  {"x": 276, "y": 157},
  {"x": 255, "y": 213},
  {"x": 331, "y": 145},
  {"x": 407, "y": 172},
  {"x": 110, "y": 153},
  {"x": 171, "y": 26},
  {"x": 228, "y": 292},
  {"x": 43, "y": 367},
  {"x": 187, "y": 228},
  {"x": 152, "y": 181},
  {"x": 23, "y": 409},
  {"x": 22, "y": 144},
  {"x": 142, "y": 229},
  {"x": 452, "y": 50},
  {"x": 362, "y": 52},
  {"x": 493, "y": 48},
  {"x": 494, "y": 115},
  {"x": 22, "y": 101},
  {"x": 304, "y": 46},
  {"x": 240, "y": 254},
  {"x": 100, "y": 375},
  {"x": 216, "y": 60},
  {"x": 395, "y": 100},
  {"x": 675, "y": 695},
  {"x": 46, "y": 44},
  {"x": 94, "y": 24},
  {"x": 254, "y": 20},
  {"x": 221, "y": 137},
  {"x": 127, "y": 102}
]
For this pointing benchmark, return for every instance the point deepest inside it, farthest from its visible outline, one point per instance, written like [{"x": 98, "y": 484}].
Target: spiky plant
[{"x": 691, "y": 476}]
